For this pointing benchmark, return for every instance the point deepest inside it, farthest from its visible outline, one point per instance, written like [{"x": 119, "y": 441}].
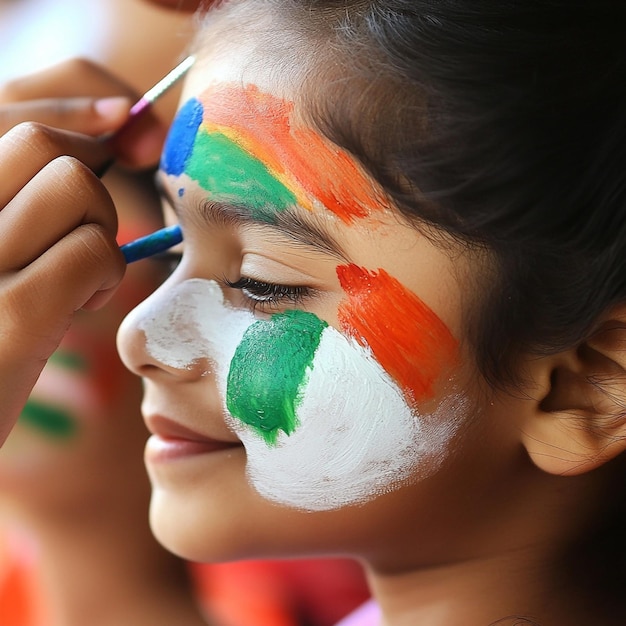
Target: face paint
[
  {"x": 354, "y": 435},
  {"x": 242, "y": 146},
  {"x": 55, "y": 422},
  {"x": 269, "y": 368},
  {"x": 406, "y": 337},
  {"x": 62, "y": 395},
  {"x": 68, "y": 360}
]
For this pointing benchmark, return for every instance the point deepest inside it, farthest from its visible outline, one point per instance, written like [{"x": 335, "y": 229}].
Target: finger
[
  {"x": 187, "y": 6},
  {"x": 38, "y": 303},
  {"x": 70, "y": 79},
  {"x": 89, "y": 116},
  {"x": 29, "y": 147},
  {"x": 82, "y": 269},
  {"x": 58, "y": 199},
  {"x": 140, "y": 144},
  {"x": 80, "y": 78}
]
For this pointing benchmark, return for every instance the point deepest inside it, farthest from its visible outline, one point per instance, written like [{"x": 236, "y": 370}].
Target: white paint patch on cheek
[{"x": 357, "y": 437}]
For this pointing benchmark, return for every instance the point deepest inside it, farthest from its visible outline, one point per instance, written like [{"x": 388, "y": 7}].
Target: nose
[{"x": 158, "y": 340}]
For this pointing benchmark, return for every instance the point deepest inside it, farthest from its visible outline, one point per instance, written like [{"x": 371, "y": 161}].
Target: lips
[{"x": 171, "y": 440}]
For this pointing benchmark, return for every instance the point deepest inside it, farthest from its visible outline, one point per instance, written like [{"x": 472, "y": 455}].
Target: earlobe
[{"x": 578, "y": 422}]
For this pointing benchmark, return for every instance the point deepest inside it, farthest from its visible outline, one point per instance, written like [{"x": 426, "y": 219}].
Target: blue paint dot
[
  {"x": 181, "y": 192},
  {"x": 181, "y": 137}
]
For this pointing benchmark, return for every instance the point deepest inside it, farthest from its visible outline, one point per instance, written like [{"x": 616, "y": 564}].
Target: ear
[{"x": 577, "y": 418}]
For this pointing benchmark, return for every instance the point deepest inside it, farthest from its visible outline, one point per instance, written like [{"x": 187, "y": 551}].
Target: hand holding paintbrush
[
  {"x": 81, "y": 96},
  {"x": 88, "y": 115},
  {"x": 59, "y": 251}
]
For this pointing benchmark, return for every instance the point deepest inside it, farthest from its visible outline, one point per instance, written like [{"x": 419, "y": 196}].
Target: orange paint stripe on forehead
[
  {"x": 405, "y": 336},
  {"x": 305, "y": 162}
]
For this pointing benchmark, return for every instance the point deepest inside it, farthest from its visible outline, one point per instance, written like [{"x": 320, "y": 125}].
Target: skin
[
  {"x": 198, "y": 488},
  {"x": 215, "y": 128},
  {"x": 57, "y": 435},
  {"x": 245, "y": 248},
  {"x": 81, "y": 387},
  {"x": 432, "y": 554},
  {"x": 57, "y": 262},
  {"x": 42, "y": 294},
  {"x": 71, "y": 475}
]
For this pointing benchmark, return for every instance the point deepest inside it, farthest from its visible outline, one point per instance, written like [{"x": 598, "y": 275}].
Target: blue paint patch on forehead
[{"x": 181, "y": 137}]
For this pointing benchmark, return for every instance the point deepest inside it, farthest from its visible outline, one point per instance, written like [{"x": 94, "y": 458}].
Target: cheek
[
  {"x": 323, "y": 424},
  {"x": 407, "y": 338}
]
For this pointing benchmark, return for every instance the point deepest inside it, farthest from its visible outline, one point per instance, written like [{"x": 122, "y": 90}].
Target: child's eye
[{"x": 261, "y": 295}]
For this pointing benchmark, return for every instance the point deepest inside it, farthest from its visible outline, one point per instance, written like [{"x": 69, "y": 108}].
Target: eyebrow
[{"x": 306, "y": 229}]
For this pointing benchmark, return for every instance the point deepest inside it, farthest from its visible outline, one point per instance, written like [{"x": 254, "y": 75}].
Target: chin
[
  {"x": 216, "y": 527},
  {"x": 199, "y": 528}
]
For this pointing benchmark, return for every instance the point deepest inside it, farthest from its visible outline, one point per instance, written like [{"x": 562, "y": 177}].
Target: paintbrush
[
  {"x": 165, "y": 238},
  {"x": 152, "y": 244},
  {"x": 146, "y": 101}
]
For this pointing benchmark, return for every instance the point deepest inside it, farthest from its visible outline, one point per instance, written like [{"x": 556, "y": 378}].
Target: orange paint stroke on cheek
[
  {"x": 405, "y": 336},
  {"x": 311, "y": 167}
]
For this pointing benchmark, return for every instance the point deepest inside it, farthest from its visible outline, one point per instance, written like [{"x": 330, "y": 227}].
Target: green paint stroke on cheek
[
  {"x": 50, "y": 420},
  {"x": 231, "y": 174},
  {"x": 270, "y": 369}
]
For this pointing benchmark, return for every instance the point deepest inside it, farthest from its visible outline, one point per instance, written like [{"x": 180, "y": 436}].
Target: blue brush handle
[{"x": 152, "y": 244}]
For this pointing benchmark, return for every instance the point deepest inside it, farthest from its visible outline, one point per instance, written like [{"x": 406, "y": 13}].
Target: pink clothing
[{"x": 367, "y": 614}]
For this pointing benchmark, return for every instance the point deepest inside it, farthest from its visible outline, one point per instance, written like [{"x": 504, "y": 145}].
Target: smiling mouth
[{"x": 171, "y": 440}]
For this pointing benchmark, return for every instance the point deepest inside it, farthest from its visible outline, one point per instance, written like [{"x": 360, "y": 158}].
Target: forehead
[
  {"x": 252, "y": 113},
  {"x": 246, "y": 146},
  {"x": 242, "y": 132}
]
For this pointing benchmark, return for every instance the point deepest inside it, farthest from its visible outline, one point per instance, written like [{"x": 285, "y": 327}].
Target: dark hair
[{"x": 503, "y": 122}]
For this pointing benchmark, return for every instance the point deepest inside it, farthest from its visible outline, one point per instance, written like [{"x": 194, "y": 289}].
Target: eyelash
[
  {"x": 258, "y": 294},
  {"x": 269, "y": 295}
]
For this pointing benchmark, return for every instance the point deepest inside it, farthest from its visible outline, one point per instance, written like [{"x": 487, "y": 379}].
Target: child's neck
[
  {"x": 550, "y": 563},
  {"x": 505, "y": 589}
]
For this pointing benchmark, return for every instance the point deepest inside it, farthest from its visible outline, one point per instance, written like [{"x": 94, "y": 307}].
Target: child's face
[{"x": 303, "y": 365}]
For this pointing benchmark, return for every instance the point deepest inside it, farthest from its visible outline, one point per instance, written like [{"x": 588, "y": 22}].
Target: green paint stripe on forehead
[
  {"x": 270, "y": 369},
  {"x": 230, "y": 174},
  {"x": 48, "y": 419}
]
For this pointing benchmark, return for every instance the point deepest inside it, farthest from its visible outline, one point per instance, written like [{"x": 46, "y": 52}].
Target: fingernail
[{"x": 112, "y": 108}]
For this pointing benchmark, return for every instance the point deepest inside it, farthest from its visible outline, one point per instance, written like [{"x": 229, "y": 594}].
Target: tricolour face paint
[
  {"x": 269, "y": 371},
  {"x": 53, "y": 421},
  {"x": 353, "y": 435},
  {"x": 407, "y": 338},
  {"x": 243, "y": 147},
  {"x": 64, "y": 394}
]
